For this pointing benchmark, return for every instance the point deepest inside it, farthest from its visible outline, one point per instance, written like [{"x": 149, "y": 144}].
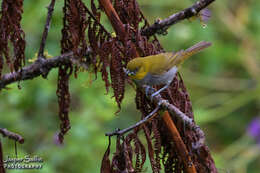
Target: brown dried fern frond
[
  {"x": 11, "y": 31},
  {"x": 73, "y": 32}
]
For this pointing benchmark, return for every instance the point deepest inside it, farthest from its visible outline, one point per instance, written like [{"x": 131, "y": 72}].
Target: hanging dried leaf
[
  {"x": 11, "y": 31},
  {"x": 73, "y": 32},
  {"x": 64, "y": 99},
  {"x": 117, "y": 74},
  {"x": 105, "y": 166}
]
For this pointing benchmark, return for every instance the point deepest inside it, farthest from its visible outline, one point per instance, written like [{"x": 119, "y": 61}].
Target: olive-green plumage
[
  {"x": 163, "y": 62},
  {"x": 161, "y": 68}
]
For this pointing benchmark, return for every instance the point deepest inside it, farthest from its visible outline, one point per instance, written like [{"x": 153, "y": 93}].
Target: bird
[{"x": 160, "y": 69}]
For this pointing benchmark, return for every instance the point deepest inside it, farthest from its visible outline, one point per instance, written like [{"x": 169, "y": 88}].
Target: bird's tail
[{"x": 182, "y": 55}]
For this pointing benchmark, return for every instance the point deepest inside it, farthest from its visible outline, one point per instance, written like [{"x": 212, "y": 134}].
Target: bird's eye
[
  {"x": 130, "y": 72},
  {"x": 133, "y": 72}
]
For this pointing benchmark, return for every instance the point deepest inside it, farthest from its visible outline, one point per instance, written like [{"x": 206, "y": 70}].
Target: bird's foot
[{"x": 149, "y": 90}]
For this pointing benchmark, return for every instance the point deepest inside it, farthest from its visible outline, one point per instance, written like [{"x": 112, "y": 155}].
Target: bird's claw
[{"x": 149, "y": 90}]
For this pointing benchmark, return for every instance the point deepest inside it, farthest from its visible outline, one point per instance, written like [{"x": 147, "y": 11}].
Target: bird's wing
[
  {"x": 160, "y": 63},
  {"x": 182, "y": 55},
  {"x": 163, "y": 62}
]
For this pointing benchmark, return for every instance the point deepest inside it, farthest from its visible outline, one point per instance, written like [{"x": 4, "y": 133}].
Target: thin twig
[
  {"x": 46, "y": 29},
  {"x": 34, "y": 70},
  {"x": 150, "y": 116},
  {"x": 161, "y": 26},
  {"x": 12, "y": 135}
]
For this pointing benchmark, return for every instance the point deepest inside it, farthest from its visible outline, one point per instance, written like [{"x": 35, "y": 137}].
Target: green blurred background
[{"x": 223, "y": 82}]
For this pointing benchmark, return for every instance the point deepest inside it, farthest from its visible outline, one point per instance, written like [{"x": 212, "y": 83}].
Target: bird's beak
[{"x": 126, "y": 71}]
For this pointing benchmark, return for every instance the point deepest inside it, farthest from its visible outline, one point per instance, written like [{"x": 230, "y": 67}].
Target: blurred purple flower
[
  {"x": 205, "y": 15},
  {"x": 56, "y": 140},
  {"x": 253, "y": 129}
]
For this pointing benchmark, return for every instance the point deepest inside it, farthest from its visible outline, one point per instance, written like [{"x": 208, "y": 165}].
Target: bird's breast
[{"x": 152, "y": 79}]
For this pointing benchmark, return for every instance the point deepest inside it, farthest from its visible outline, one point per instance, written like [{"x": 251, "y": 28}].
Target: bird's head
[{"x": 134, "y": 69}]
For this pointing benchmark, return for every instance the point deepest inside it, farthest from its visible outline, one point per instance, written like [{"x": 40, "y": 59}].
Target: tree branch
[
  {"x": 189, "y": 123},
  {"x": 34, "y": 70},
  {"x": 12, "y": 135},
  {"x": 161, "y": 26},
  {"x": 46, "y": 29}
]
